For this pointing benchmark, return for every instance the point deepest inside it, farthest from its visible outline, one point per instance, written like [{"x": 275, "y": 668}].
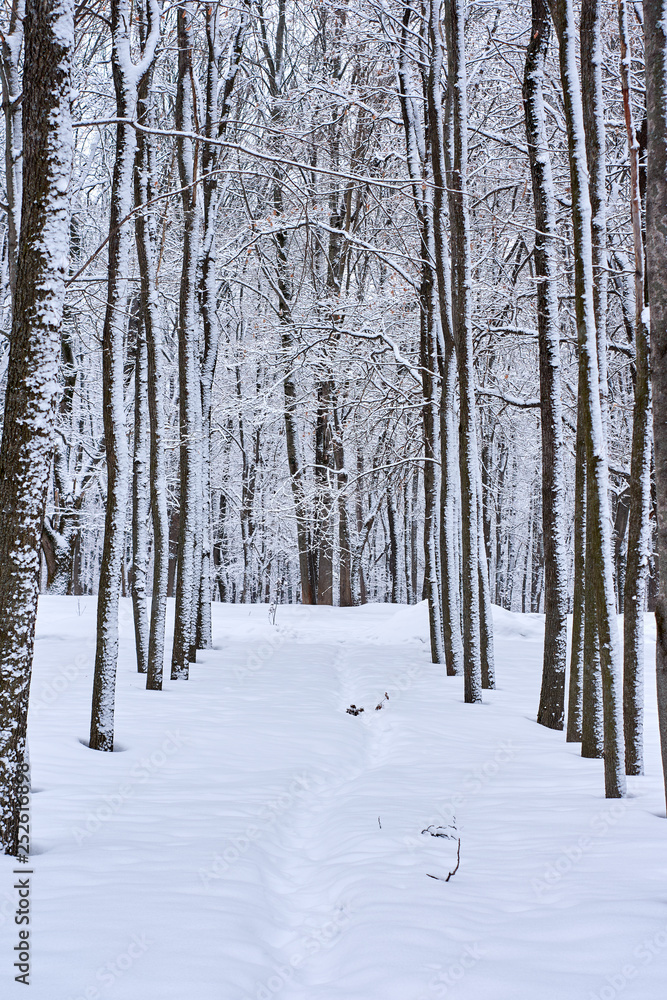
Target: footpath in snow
[{"x": 250, "y": 839}]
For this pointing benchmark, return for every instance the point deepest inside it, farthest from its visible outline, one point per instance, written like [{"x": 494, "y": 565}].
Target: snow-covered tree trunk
[
  {"x": 576, "y": 684},
  {"x": 140, "y": 502},
  {"x": 449, "y": 574},
  {"x": 485, "y": 606},
  {"x": 188, "y": 381},
  {"x": 32, "y": 375},
  {"x": 598, "y": 526},
  {"x": 11, "y": 42},
  {"x": 640, "y": 463},
  {"x": 592, "y": 58},
  {"x": 144, "y": 188},
  {"x": 457, "y": 188},
  {"x": 552, "y": 695},
  {"x": 655, "y": 32},
  {"x": 126, "y": 76},
  {"x": 419, "y": 169}
]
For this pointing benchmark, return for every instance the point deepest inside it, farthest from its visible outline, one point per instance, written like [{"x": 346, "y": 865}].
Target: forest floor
[{"x": 252, "y": 839}]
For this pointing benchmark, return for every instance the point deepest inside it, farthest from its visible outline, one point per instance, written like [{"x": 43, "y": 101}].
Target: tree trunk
[
  {"x": 140, "y": 502},
  {"x": 655, "y": 28},
  {"x": 462, "y": 330},
  {"x": 32, "y": 379},
  {"x": 449, "y": 575},
  {"x": 145, "y": 233},
  {"x": 552, "y": 695},
  {"x": 640, "y": 467},
  {"x": 187, "y": 585},
  {"x": 11, "y": 43},
  {"x": 126, "y": 78},
  {"x": 598, "y": 526}
]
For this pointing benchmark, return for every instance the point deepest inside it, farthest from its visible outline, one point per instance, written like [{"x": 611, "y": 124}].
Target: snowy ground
[{"x": 252, "y": 840}]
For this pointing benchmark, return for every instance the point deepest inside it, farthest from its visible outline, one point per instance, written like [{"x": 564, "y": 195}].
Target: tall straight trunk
[
  {"x": 640, "y": 464},
  {"x": 485, "y": 606},
  {"x": 552, "y": 696},
  {"x": 127, "y": 77},
  {"x": 140, "y": 502},
  {"x": 145, "y": 233},
  {"x": 655, "y": 30},
  {"x": 187, "y": 583},
  {"x": 32, "y": 378},
  {"x": 344, "y": 537},
  {"x": 323, "y": 527},
  {"x": 451, "y": 612},
  {"x": 430, "y": 333},
  {"x": 457, "y": 188},
  {"x": 449, "y": 575},
  {"x": 590, "y": 33},
  {"x": 11, "y": 42},
  {"x": 575, "y": 690},
  {"x": 595, "y": 141},
  {"x": 598, "y": 526},
  {"x": 592, "y": 719}
]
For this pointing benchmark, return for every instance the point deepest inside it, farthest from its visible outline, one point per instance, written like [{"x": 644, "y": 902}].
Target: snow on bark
[
  {"x": 126, "y": 79},
  {"x": 449, "y": 485},
  {"x": 552, "y": 696},
  {"x": 32, "y": 385},
  {"x": 598, "y": 525},
  {"x": 187, "y": 587},
  {"x": 11, "y": 43},
  {"x": 655, "y": 23},
  {"x": 639, "y": 530},
  {"x": 145, "y": 232},
  {"x": 462, "y": 330}
]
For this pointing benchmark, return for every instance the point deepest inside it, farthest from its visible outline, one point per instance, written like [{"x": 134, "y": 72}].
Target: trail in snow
[{"x": 252, "y": 840}]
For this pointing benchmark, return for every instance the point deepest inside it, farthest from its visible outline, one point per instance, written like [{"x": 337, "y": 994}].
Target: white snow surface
[{"x": 252, "y": 840}]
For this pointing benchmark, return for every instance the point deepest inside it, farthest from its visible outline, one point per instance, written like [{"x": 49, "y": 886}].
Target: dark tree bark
[
  {"x": 144, "y": 189},
  {"x": 640, "y": 464},
  {"x": 552, "y": 696},
  {"x": 27, "y": 436},
  {"x": 655, "y": 27},
  {"x": 457, "y": 188},
  {"x": 598, "y": 528},
  {"x": 127, "y": 77},
  {"x": 187, "y": 580}
]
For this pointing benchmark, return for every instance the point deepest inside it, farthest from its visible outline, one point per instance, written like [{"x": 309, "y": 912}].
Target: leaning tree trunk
[
  {"x": 655, "y": 27},
  {"x": 639, "y": 530},
  {"x": 552, "y": 696},
  {"x": 32, "y": 378},
  {"x": 457, "y": 188},
  {"x": 596, "y": 467}
]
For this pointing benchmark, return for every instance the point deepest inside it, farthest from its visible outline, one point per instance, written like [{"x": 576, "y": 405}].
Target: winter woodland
[{"x": 338, "y": 303}]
